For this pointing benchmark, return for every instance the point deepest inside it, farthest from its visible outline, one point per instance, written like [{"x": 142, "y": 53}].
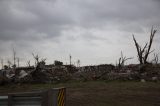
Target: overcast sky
[{"x": 94, "y": 31}]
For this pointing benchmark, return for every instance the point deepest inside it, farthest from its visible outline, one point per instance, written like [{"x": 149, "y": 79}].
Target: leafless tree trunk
[
  {"x": 122, "y": 60},
  {"x": 9, "y": 64},
  {"x": 70, "y": 59},
  {"x": 144, "y": 52},
  {"x": 38, "y": 61},
  {"x": 36, "y": 57},
  {"x": 156, "y": 59},
  {"x": 28, "y": 63},
  {"x": 78, "y": 63},
  {"x": 17, "y": 62},
  {"x": 2, "y": 63}
]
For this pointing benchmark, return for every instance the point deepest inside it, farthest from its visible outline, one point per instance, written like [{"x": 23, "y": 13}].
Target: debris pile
[{"x": 61, "y": 73}]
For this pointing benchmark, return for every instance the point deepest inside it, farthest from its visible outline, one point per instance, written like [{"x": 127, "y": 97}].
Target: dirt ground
[{"x": 100, "y": 93}]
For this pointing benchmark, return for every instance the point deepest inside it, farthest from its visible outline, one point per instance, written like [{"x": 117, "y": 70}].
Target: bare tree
[
  {"x": 70, "y": 59},
  {"x": 17, "y": 62},
  {"x": 78, "y": 63},
  {"x": 122, "y": 60},
  {"x": 37, "y": 60},
  {"x": 43, "y": 61},
  {"x": 2, "y": 63},
  {"x": 155, "y": 59},
  {"x": 144, "y": 52},
  {"x": 36, "y": 57},
  {"x": 9, "y": 63},
  {"x": 28, "y": 63}
]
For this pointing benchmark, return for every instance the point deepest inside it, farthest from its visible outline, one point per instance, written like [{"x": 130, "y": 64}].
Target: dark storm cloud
[
  {"x": 18, "y": 22},
  {"x": 69, "y": 23},
  {"x": 51, "y": 17}
]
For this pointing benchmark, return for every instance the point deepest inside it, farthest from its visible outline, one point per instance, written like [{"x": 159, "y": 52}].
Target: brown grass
[{"x": 100, "y": 93}]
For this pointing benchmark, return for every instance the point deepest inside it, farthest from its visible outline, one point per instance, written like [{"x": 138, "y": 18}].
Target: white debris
[
  {"x": 143, "y": 80},
  {"x": 22, "y": 74}
]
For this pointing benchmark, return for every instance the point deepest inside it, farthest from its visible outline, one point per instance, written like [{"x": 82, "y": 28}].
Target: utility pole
[
  {"x": 14, "y": 58},
  {"x": 70, "y": 57},
  {"x": 18, "y": 61}
]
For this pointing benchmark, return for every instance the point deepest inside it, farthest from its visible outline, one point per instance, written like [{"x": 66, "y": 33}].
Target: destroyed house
[{"x": 26, "y": 69}]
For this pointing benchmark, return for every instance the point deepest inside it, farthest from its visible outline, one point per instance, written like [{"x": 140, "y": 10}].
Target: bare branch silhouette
[{"x": 144, "y": 53}]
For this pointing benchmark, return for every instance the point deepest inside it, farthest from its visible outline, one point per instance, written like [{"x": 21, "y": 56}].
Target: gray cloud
[{"x": 86, "y": 29}]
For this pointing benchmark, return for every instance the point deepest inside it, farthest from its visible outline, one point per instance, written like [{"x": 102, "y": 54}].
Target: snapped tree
[
  {"x": 155, "y": 59},
  {"x": 122, "y": 60},
  {"x": 38, "y": 62},
  {"x": 143, "y": 52}
]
